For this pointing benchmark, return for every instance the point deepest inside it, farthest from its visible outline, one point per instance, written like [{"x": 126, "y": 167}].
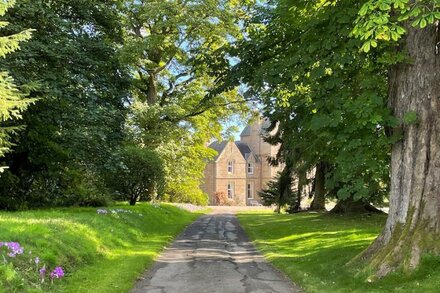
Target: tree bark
[
  {"x": 413, "y": 225},
  {"x": 152, "y": 89},
  {"x": 318, "y": 203}
]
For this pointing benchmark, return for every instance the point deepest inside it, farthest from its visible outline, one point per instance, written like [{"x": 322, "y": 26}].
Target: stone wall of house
[
  {"x": 208, "y": 184},
  {"x": 217, "y": 176}
]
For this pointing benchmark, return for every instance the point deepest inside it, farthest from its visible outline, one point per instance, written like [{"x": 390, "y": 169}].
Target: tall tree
[
  {"x": 77, "y": 123},
  {"x": 413, "y": 225},
  {"x": 328, "y": 99},
  {"x": 172, "y": 50},
  {"x": 12, "y": 100}
]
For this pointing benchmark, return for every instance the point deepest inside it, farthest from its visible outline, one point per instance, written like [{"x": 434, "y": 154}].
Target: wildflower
[
  {"x": 42, "y": 272},
  {"x": 37, "y": 260},
  {"x": 14, "y": 248},
  {"x": 57, "y": 273},
  {"x": 102, "y": 211}
]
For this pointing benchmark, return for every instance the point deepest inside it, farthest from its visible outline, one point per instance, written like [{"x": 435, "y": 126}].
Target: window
[
  {"x": 230, "y": 167},
  {"x": 250, "y": 193},
  {"x": 250, "y": 168},
  {"x": 230, "y": 190}
]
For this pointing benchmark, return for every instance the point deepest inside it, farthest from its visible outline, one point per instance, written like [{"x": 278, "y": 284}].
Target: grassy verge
[
  {"x": 99, "y": 252},
  {"x": 313, "y": 250}
]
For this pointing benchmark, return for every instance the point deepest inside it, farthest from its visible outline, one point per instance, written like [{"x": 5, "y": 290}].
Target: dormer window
[
  {"x": 250, "y": 168},
  {"x": 230, "y": 167}
]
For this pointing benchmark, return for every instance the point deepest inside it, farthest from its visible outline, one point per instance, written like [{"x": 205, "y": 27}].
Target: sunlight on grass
[
  {"x": 313, "y": 249},
  {"x": 100, "y": 253}
]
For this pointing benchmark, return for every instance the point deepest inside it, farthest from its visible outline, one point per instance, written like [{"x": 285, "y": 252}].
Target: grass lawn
[
  {"x": 313, "y": 250},
  {"x": 99, "y": 252}
]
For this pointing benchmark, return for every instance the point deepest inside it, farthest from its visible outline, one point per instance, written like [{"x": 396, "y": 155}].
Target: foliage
[
  {"x": 12, "y": 101},
  {"x": 384, "y": 20},
  {"x": 77, "y": 124},
  {"x": 172, "y": 50},
  {"x": 328, "y": 99},
  {"x": 106, "y": 252},
  {"x": 140, "y": 175},
  {"x": 221, "y": 198},
  {"x": 275, "y": 192}
]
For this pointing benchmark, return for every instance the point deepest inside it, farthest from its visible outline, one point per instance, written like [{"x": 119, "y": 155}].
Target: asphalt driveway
[{"x": 213, "y": 255}]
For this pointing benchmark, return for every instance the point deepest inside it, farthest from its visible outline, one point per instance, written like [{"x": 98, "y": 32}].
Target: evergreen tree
[
  {"x": 12, "y": 99},
  {"x": 77, "y": 124}
]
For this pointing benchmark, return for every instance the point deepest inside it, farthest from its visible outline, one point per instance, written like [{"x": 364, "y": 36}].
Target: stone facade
[{"x": 240, "y": 169}]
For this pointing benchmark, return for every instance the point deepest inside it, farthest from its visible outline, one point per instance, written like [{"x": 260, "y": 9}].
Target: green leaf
[
  {"x": 384, "y": 6},
  {"x": 363, "y": 11},
  {"x": 366, "y": 47},
  {"x": 400, "y": 30},
  {"x": 416, "y": 22}
]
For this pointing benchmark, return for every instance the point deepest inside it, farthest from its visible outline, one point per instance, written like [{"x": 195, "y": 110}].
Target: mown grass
[
  {"x": 313, "y": 250},
  {"x": 100, "y": 253}
]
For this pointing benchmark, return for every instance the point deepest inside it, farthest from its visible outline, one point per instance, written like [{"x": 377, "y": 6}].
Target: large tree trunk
[
  {"x": 413, "y": 225},
  {"x": 318, "y": 203}
]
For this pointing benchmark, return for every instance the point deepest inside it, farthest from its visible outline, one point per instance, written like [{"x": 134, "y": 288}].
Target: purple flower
[
  {"x": 57, "y": 273},
  {"x": 14, "y": 248},
  {"x": 43, "y": 272},
  {"x": 37, "y": 260}
]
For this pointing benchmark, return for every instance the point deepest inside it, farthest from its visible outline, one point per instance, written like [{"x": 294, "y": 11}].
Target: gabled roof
[
  {"x": 244, "y": 148},
  {"x": 219, "y": 147}
]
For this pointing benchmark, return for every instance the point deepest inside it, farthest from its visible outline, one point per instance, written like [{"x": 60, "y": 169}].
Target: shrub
[
  {"x": 140, "y": 175},
  {"x": 220, "y": 198}
]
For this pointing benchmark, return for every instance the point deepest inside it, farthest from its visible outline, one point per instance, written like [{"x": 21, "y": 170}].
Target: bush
[
  {"x": 139, "y": 176},
  {"x": 220, "y": 198}
]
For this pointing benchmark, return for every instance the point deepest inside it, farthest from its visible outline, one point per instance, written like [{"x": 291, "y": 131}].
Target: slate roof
[
  {"x": 219, "y": 147},
  {"x": 246, "y": 131},
  {"x": 242, "y": 147}
]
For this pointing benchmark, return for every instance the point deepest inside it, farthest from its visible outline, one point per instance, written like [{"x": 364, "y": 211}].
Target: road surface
[{"x": 213, "y": 255}]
